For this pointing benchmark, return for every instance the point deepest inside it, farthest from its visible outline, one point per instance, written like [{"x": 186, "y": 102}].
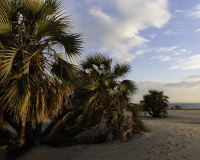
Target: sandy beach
[{"x": 176, "y": 137}]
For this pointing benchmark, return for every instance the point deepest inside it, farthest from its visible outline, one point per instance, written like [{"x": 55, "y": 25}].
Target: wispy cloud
[
  {"x": 194, "y": 12},
  {"x": 169, "y": 53},
  {"x": 178, "y": 11},
  {"x": 142, "y": 51},
  {"x": 163, "y": 58},
  {"x": 152, "y": 36},
  {"x": 117, "y": 32},
  {"x": 198, "y": 30},
  {"x": 166, "y": 49},
  {"x": 191, "y": 62},
  {"x": 184, "y": 85},
  {"x": 173, "y": 32},
  {"x": 180, "y": 52},
  {"x": 192, "y": 77}
]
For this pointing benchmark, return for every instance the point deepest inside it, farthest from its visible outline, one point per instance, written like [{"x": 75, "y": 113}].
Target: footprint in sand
[
  {"x": 187, "y": 156},
  {"x": 105, "y": 156}
]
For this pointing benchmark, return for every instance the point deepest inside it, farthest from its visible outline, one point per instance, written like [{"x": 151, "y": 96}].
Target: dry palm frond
[
  {"x": 135, "y": 116},
  {"x": 11, "y": 145}
]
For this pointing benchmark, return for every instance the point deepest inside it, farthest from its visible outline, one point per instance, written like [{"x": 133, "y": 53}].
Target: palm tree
[
  {"x": 155, "y": 103},
  {"x": 35, "y": 79},
  {"x": 106, "y": 94}
]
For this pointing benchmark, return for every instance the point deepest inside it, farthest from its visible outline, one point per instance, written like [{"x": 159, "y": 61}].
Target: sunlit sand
[{"x": 174, "y": 137}]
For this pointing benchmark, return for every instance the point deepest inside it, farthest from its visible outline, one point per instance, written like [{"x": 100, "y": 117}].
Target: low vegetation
[{"x": 177, "y": 107}]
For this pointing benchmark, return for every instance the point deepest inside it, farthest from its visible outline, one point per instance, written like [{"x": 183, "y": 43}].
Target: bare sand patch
[{"x": 176, "y": 137}]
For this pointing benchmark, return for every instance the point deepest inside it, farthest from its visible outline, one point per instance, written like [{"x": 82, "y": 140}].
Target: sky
[{"x": 159, "y": 38}]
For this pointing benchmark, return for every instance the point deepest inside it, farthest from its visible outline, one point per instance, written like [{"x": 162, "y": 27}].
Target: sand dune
[{"x": 176, "y": 137}]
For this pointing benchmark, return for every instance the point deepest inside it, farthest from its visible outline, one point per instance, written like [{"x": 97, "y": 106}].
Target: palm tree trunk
[
  {"x": 5, "y": 133},
  {"x": 72, "y": 132},
  {"x": 150, "y": 112},
  {"x": 3, "y": 123},
  {"x": 21, "y": 131},
  {"x": 38, "y": 130},
  {"x": 9, "y": 118},
  {"x": 56, "y": 122},
  {"x": 29, "y": 133}
]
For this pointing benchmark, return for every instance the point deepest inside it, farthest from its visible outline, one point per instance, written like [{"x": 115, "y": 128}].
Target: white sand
[{"x": 176, "y": 137}]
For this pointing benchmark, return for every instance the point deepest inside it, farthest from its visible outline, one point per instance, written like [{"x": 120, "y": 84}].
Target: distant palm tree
[
  {"x": 155, "y": 103},
  {"x": 34, "y": 77}
]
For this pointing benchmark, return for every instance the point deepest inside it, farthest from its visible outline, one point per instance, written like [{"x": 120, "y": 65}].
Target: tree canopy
[{"x": 155, "y": 103}]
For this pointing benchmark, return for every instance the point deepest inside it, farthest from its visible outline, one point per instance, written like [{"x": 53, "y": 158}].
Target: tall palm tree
[
  {"x": 34, "y": 77},
  {"x": 106, "y": 93},
  {"x": 155, "y": 103}
]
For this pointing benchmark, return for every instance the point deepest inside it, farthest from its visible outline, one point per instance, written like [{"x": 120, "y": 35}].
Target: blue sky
[{"x": 159, "y": 38}]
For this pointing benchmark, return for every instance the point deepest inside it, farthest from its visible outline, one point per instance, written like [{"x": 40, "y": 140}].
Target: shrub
[{"x": 177, "y": 107}]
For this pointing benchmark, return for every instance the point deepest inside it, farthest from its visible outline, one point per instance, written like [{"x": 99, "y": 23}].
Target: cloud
[
  {"x": 181, "y": 51},
  {"x": 166, "y": 49},
  {"x": 184, "y": 85},
  {"x": 152, "y": 36},
  {"x": 169, "y": 53},
  {"x": 192, "y": 77},
  {"x": 163, "y": 58},
  {"x": 187, "y": 63},
  {"x": 173, "y": 32},
  {"x": 173, "y": 50},
  {"x": 194, "y": 12},
  {"x": 142, "y": 51},
  {"x": 114, "y": 28},
  {"x": 198, "y": 30},
  {"x": 178, "y": 91},
  {"x": 178, "y": 11}
]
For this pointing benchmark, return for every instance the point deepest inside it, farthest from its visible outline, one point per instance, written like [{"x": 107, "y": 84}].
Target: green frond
[
  {"x": 136, "y": 114},
  {"x": 92, "y": 98},
  {"x": 33, "y": 5},
  {"x": 16, "y": 96},
  {"x": 97, "y": 59},
  {"x": 6, "y": 26},
  {"x": 130, "y": 86},
  {"x": 52, "y": 8},
  {"x": 65, "y": 71},
  {"x": 92, "y": 85},
  {"x": 5, "y": 8},
  {"x": 72, "y": 44},
  {"x": 111, "y": 92},
  {"x": 7, "y": 56},
  {"x": 121, "y": 70}
]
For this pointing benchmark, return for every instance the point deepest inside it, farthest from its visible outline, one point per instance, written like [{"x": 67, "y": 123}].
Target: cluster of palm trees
[{"x": 37, "y": 82}]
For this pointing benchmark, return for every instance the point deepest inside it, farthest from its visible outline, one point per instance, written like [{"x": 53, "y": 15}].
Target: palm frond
[
  {"x": 7, "y": 57},
  {"x": 72, "y": 44},
  {"x": 34, "y": 6},
  {"x": 136, "y": 114},
  {"x": 121, "y": 70},
  {"x": 16, "y": 96},
  {"x": 65, "y": 71},
  {"x": 6, "y": 26}
]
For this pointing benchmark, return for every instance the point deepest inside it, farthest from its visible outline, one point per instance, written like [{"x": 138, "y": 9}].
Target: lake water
[{"x": 185, "y": 105}]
